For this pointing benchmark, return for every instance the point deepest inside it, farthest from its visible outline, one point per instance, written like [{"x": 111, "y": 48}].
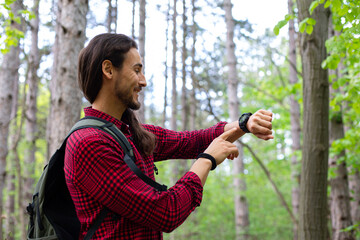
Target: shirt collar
[{"x": 89, "y": 111}]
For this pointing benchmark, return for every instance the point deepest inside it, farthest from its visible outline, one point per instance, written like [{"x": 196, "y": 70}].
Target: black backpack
[{"x": 52, "y": 211}]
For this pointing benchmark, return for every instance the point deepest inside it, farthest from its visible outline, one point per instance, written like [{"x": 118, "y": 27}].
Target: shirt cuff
[{"x": 193, "y": 182}]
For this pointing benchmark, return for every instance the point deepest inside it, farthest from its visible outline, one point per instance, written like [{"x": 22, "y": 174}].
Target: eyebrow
[{"x": 137, "y": 65}]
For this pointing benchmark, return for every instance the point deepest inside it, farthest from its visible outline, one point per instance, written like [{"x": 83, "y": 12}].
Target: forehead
[{"x": 133, "y": 56}]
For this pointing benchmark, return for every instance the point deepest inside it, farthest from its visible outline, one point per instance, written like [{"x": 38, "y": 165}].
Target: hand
[
  {"x": 260, "y": 125},
  {"x": 220, "y": 148}
]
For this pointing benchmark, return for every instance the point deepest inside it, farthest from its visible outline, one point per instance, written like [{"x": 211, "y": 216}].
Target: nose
[{"x": 142, "y": 80}]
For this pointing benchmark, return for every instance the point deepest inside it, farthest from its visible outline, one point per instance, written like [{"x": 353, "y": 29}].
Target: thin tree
[
  {"x": 141, "y": 111},
  {"x": 313, "y": 185},
  {"x": 173, "y": 124},
  {"x": 241, "y": 207},
  {"x": 339, "y": 195},
  {"x": 65, "y": 93},
  {"x": 295, "y": 120},
  {"x": 9, "y": 78},
  {"x": 192, "y": 73},
  {"x": 184, "y": 107},
  {"x": 31, "y": 133},
  {"x": 184, "y": 91},
  {"x": 166, "y": 76},
  {"x": 133, "y": 19},
  {"x": 111, "y": 21}
]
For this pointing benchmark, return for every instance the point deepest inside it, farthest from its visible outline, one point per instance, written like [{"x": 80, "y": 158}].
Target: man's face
[{"x": 130, "y": 80}]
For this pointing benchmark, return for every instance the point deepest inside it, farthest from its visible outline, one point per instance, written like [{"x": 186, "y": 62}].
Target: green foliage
[
  {"x": 282, "y": 23},
  {"x": 307, "y": 25},
  {"x": 10, "y": 36}
]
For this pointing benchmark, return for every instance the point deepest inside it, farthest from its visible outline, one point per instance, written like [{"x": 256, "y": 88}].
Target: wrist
[
  {"x": 209, "y": 158},
  {"x": 243, "y": 120},
  {"x": 204, "y": 162}
]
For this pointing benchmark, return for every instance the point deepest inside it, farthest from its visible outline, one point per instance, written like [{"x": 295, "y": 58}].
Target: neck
[{"x": 111, "y": 107}]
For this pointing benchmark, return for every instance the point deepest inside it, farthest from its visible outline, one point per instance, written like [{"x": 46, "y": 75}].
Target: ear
[{"x": 107, "y": 69}]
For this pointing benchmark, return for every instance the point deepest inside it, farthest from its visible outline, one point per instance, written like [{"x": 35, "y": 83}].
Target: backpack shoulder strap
[{"x": 111, "y": 129}]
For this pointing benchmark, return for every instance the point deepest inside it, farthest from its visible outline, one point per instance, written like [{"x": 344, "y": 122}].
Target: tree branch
[
  {"x": 263, "y": 167},
  {"x": 267, "y": 173}
]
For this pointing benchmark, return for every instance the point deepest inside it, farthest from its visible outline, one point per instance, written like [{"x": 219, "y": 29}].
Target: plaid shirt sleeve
[
  {"x": 99, "y": 171},
  {"x": 183, "y": 145}
]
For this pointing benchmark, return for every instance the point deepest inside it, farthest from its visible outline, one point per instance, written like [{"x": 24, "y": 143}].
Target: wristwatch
[{"x": 243, "y": 119}]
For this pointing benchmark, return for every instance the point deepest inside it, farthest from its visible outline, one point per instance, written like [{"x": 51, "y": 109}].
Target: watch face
[{"x": 243, "y": 117}]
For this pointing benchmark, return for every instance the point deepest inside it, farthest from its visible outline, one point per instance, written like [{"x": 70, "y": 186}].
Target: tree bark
[
  {"x": 65, "y": 93},
  {"x": 166, "y": 63},
  {"x": 111, "y": 21},
  {"x": 354, "y": 187},
  {"x": 241, "y": 207},
  {"x": 141, "y": 111},
  {"x": 184, "y": 107},
  {"x": 9, "y": 78},
  {"x": 173, "y": 124},
  {"x": 133, "y": 20},
  {"x": 313, "y": 184},
  {"x": 193, "y": 104},
  {"x": 31, "y": 107},
  {"x": 339, "y": 195},
  {"x": 295, "y": 122}
]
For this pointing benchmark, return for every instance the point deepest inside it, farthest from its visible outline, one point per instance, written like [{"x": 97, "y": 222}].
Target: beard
[{"x": 127, "y": 98}]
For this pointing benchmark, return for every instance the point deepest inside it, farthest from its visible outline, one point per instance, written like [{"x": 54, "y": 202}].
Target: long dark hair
[{"x": 111, "y": 47}]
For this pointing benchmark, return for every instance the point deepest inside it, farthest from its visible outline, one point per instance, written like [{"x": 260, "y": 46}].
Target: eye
[{"x": 137, "y": 70}]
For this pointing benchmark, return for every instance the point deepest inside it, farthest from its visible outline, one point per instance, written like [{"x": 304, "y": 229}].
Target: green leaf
[
  {"x": 276, "y": 30},
  {"x": 309, "y": 29},
  {"x": 9, "y": 2},
  {"x": 288, "y": 17},
  {"x": 335, "y": 85},
  {"x": 327, "y": 4},
  {"x": 302, "y": 25},
  {"x": 324, "y": 64},
  {"x": 313, "y": 5},
  {"x": 344, "y": 10},
  {"x": 311, "y": 21},
  {"x": 282, "y": 23}
]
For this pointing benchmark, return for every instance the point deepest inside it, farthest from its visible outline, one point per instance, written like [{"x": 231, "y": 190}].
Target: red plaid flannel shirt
[{"x": 97, "y": 176}]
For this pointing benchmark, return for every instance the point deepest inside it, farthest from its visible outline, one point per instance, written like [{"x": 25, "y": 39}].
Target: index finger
[
  {"x": 227, "y": 134},
  {"x": 265, "y": 112}
]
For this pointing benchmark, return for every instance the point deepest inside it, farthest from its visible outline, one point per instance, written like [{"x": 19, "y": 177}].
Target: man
[{"x": 110, "y": 76}]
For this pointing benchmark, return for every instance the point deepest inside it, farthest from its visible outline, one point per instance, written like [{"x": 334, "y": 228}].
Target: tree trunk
[
  {"x": 354, "y": 175},
  {"x": 111, "y": 21},
  {"x": 8, "y": 80},
  {"x": 166, "y": 63},
  {"x": 173, "y": 124},
  {"x": 193, "y": 76},
  {"x": 141, "y": 112},
  {"x": 184, "y": 105},
  {"x": 65, "y": 93},
  {"x": 241, "y": 207},
  {"x": 354, "y": 187},
  {"x": 133, "y": 20},
  {"x": 173, "y": 121},
  {"x": 339, "y": 196},
  {"x": 184, "y": 108},
  {"x": 31, "y": 108},
  {"x": 313, "y": 184},
  {"x": 295, "y": 122}
]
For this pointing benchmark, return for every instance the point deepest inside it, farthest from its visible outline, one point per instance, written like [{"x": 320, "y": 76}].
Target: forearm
[
  {"x": 238, "y": 133},
  {"x": 201, "y": 167}
]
